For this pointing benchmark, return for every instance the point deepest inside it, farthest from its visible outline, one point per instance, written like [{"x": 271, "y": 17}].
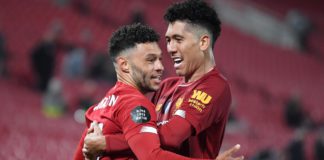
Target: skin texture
[
  {"x": 93, "y": 139},
  {"x": 192, "y": 49},
  {"x": 146, "y": 66},
  {"x": 141, "y": 67}
]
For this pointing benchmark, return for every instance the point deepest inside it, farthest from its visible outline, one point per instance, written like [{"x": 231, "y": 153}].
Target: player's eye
[
  {"x": 178, "y": 39},
  {"x": 167, "y": 40},
  {"x": 151, "y": 59}
]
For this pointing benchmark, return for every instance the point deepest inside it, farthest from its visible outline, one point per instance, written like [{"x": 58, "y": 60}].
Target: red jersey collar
[{"x": 212, "y": 71}]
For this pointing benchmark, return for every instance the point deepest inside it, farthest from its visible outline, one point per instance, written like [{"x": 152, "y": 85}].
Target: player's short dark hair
[
  {"x": 195, "y": 12},
  {"x": 128, "y": 36}
]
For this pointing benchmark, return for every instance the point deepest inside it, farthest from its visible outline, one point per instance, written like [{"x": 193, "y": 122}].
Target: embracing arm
[
  {"x": 176, "y": 131},
  {"x": 78, "y": 155},
  {"x": 171, "y": 135},
  {"x": 146, "y": 146}
]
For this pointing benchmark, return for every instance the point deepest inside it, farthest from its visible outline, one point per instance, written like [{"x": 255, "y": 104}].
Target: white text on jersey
[{"x": 107, "y": 101}]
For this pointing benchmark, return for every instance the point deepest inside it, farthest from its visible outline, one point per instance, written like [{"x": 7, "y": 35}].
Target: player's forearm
[
  {"x": 146, "y": 146},
  {"x": 78, "y": 155},
  {"x": 173, "y": 133},
  {"x": 115, "y": 143},
  {"x": 109, "y": 144}
]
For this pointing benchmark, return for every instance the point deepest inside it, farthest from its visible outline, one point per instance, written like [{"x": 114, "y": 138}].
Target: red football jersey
[
  {"x": 204, "y": 104},
  {"x": 125, "y": 110}
]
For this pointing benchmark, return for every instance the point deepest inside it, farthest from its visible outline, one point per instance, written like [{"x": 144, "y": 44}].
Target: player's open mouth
[
  {"x": 157, "y": 78},
  {"x": 177, "y": 62}
]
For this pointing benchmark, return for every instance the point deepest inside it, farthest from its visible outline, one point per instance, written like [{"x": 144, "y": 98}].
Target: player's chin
[
  {"x": 155, "y": 85},
  {"x": 180, "y": 72}
]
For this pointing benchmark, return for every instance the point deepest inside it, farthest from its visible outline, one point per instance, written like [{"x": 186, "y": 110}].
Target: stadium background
[{"x": 264, "y": 74}]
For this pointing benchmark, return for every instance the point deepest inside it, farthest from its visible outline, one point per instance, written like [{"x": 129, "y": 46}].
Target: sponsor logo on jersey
[
  {"x": 201, "y": 96},
  {"x": 140, "y": 115},
  {"x": 107, "y": 101},
  {"x": 199, "y": 100}
]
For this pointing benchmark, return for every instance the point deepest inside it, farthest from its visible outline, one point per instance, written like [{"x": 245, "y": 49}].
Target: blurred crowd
[{"x": 81, "y": 61}]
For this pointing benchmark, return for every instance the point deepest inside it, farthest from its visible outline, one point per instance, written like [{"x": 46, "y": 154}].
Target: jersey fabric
[
  {"x": 125, "y": 110},
  {"x": 204, "y": 103}
]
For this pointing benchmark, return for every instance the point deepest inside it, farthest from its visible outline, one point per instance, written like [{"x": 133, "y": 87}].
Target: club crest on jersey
[
  {"x": 158, "y": 107},
  {"x": 179, "y": 102},
  {"x": 140, "y": 115}
]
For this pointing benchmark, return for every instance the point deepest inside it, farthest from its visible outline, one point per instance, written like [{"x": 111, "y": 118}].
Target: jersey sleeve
[
  {"x": 146, "y": 146},
  {"x": 173, "y": 133},
  {"x": 115, "y": 143},
  {"x": 136, "y": 117},
  {"x": 78, "y": 155},
  {"x": 205, "y": 104},
  {"x": 139, "y": 127}
]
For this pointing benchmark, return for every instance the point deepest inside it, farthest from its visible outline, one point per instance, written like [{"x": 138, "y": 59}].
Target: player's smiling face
[
  {"x": 183, "y": 47},
  {"x": 146, "y": 66}
]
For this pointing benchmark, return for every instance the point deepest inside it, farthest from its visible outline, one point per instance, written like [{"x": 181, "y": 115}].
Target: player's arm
[
  {"x": 118, "y": 143},
  {"x": 176, "y": 131},
  {"x": 171, "y": 135},
  {"x": 78, "y": 155},
  {"x": 195, "y": 114},
  {"x": 146, "y": 146},
  {"x": 97, "y": 142},
  {"x": 139, "y": 127}
]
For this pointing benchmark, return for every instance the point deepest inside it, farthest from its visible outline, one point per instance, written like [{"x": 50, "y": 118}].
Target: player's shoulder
[
  {"x": 213, "y": 82},
  {"x": 129, "y": 94},
  {"x": 215, "y": 77},
  {"x": 133, "y": 97}
]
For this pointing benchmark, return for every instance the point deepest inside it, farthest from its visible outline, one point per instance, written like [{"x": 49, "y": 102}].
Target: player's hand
[
  {"x": 228, "y": 154},
  {"x": 94, "y": 142},
  {"x": 91, "y": 128}
]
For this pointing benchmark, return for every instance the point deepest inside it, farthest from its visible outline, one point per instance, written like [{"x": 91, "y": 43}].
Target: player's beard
[{"x": 141, "y": 79}]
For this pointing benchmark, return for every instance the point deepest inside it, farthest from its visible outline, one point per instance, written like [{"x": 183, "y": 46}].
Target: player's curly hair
[
  {"x": 128, "y": 36},
  {"x": 195, "y": 12}
]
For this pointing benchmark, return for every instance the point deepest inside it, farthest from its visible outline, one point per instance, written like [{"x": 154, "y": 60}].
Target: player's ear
[
  {"x": 122, "y": 64},
  {"x": 204, "y": 42}
]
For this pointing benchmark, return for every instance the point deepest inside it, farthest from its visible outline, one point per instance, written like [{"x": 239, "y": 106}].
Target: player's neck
[
  {"x": 126, "y": 79},
  {"x": 204, "y": 68}
]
